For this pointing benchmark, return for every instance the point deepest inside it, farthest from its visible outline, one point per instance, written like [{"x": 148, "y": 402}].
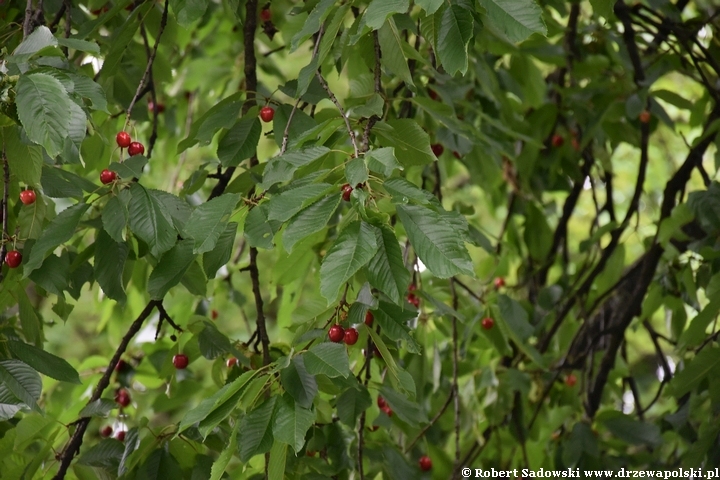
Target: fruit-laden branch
[
  {"x": 148, "y": 68},
  {"x": 73, "y": 445},
  {"x": 4, "y": 236}
]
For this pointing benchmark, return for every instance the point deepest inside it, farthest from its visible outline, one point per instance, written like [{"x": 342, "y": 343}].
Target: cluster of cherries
[
  {"x": 123, "y": 140},
  {"x": 13, "y": 258}
]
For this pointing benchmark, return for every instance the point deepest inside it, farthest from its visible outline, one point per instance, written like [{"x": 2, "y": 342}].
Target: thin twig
[
  {"x": 334, "y": 99},
  {"x": 432, "y": 422},
  {"x": 5, "y": 236},
  {"x": 148, "y": 68},
  {"x": 378, "y": 89}
]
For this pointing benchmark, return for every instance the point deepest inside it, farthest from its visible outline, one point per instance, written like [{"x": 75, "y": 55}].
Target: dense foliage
[{"x": 358, "y": 239}]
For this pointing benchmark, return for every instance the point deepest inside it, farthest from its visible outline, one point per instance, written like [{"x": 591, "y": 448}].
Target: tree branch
[
  {"x": 73, "y": 445},
  {"x": 334, "y": 99}
]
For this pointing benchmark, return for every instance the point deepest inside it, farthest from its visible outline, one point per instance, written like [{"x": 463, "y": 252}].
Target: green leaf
[
  {"x": 281, "y": 168},
  {"x": 391, "y": 45},
  {"x": 178, "y": 209},
  {"x": 52, "y": 274},
  {"x": 408, "y": 411},
  {"x": 58, "y": 183},
  {"x": 705, "y": 363},
  {"x": 106, "y": 454},
  {"x": 298, "y": 382},
  {"x": 25, "y": 161},
  {"x": 393, "y": 320},
  {"x": 150, "y": 221},
  {"x": 515, "y": 316},
  {"x": 29, "y": 320},
  {"x": 454, "y": 34},
  {"x": 189, "y": 11},
  {"x": 283, "y": 206},
  {"x": 354, "y": 248},
  {"x": 633, "y": 431},
  {"x": 159, "y": 465},
  {"x": 278, "y": 456},
  {"x": 218, "y": 468},
  {"x": 60, "y": 230},
  {"x": 220, "y": 255},
  {"x": 115, "y": 219},
  {"x": 330, "y": 359},
  {"x": 110, "y": 257},
  {"x": 209, "y": 220},
  {"x": 386, "y": 270},
  {"x": 312, "y": 24},
  {"x": 379, "y": 10},
  {"x": 696, "y": 331},
  {"x": 356, "y": 171},
  {"x": 257, "y": 430},
  {"x": 88, "y": 89},
  {"x": 435, "y": 241},
  {"x": 402, "y": 191},
  {"x": 411, "y": 142},
  {"x": 240, "y": 142},
  {"x": 44, "y": 362},
  {"x": 351, "y": 403},
  {"x": 382, "y": 160},
  {"x": 310, "y": 220},
  {"x": 130, "y": 168},
  {"x": 259, "y": 231},
  {"x": 430, "y": 6},
  {"x": 44, "y": 109},
  {"x": 80, "y": 45},
  {"x": 170, "y": 269},
  {"x": 40, "y": 38},
  {"x": 222, "y": 115},
  {"x": 516, "y": 19},
  {"x": 210, "y": 404},
  {"x": 22, "y": 381},
  {"x": 292, "y": 423}
]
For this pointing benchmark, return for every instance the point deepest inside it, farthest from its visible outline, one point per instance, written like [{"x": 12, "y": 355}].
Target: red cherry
[
  {"x": 381, "y": 403},
  {"x": 106, "y": 431},
  {"x": 122, "y": 397},
  {"x": 336, "y": 333},
  {"x": 13, "y": 258},
  {"x": 120, "y": 365},
  {"x": 369, "y": 318},
  {"x": 265, "y": 15},
  {"x": 412, "y": 287},
  {"x": 575, "y": 144},
  {"x": 123, "y": 139},
  {"x": 267, "y": 114},
  {"x": 231, "y": 362},
  {"x": 107, "y": 176},
  {"x": 136, "y": 148},
  {"x": 160, "y": 108},
  {"x": 557, "y": 140},
  {"x": 499, "y": 282},
  {"x": 121, "y": 435},
  {"x": 570, "y": 380},
  {"x": 413, "y": 299},
  {"x": 181, "y": 361},
  {"x": 437, "y": 149},
  {"x": 433, "y": 94},
  {"x": 214, "y": 314},
  {"x": 27, "y": 197},
  {"x": 387, "y": 410},
  {"x": 346, "y": 191},
  {"x": 425, "y": 463},
  {"x": 457, "y": 155},
  {"x": 644, "y": 116},
  {"x": 487, "y": 323},
  {"x": 351, "y": 336}
]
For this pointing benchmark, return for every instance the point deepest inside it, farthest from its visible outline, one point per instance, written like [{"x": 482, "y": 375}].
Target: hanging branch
[
  {"x": 73, "y": 445},
  {"x": 148, "y": 69},
  {"x": 153, "y": 96}
]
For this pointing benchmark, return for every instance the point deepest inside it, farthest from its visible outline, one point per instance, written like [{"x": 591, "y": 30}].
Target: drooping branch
[{"x": 73, "y": 445}]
